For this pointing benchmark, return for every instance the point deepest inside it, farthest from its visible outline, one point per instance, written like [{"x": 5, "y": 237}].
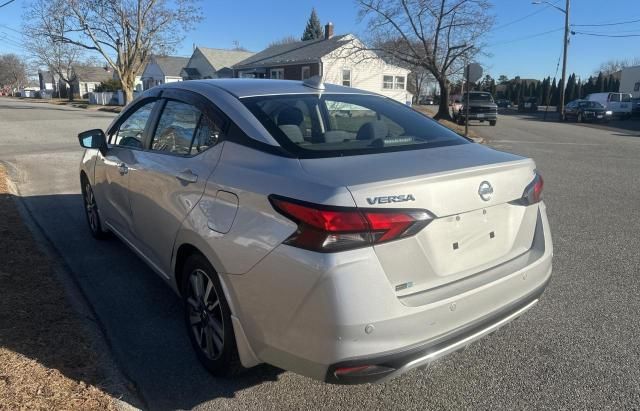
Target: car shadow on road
[{"x": 141, "y": 318}]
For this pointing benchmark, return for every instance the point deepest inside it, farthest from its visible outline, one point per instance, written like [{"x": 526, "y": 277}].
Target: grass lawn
[{"x": 46, "y": 360}]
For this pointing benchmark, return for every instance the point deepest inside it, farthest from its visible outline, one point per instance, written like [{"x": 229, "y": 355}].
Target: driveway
[{"x": 577, "y": 349}]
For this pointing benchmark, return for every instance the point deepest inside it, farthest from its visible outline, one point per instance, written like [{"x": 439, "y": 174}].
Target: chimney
[{"x": 328, "y": 31}]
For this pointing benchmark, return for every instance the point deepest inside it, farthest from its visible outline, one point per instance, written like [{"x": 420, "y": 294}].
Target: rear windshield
[
  {"x": 328, "y": 125},
  {"x": 478, "y": 97}
]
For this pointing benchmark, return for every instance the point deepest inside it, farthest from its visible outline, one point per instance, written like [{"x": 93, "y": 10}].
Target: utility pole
[
  {"x": 564, "y": 57},
  {"x": 563, "y": 82},
  {"x": 466, "y": 103}
]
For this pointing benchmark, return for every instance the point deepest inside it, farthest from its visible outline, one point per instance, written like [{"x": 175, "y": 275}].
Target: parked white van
[{"x": 618, "y": 103}]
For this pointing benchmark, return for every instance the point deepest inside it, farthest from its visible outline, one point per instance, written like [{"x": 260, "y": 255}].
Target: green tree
[
  {"x": 314, "y": 29},
  {"x": 600, "y": 83},
  {"x": 554, "y": 93},
  {"x": 503, "y": 79}
]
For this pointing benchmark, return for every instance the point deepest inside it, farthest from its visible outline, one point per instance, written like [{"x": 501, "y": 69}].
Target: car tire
[
  {"x": 91, "y": 211},
  {"x": 208, "y": 318},
  {"x": 493, "y": 122}
]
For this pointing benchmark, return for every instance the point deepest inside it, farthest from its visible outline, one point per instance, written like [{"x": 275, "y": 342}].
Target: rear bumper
[
  {"x": 397, "y": 363},
  {"x": 480, "y": 116},
  {"x": 313, "y": 313}
]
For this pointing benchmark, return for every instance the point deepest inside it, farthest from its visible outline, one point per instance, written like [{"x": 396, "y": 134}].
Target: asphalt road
[{"x": 577, "y": 349}]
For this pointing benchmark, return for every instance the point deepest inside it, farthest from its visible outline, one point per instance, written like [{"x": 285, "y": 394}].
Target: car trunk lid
[{"x": 467, "y": 188}]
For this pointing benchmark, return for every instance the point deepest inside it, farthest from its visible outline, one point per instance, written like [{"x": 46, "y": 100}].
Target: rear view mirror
[{"x": 93, "y": 139}]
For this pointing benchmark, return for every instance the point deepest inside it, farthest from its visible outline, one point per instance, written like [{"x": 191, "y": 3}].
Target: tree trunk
[
  {"x": 70, "y": 92},
  {"x": 128, "y": 84},
  {"x": 443, "y": 110}
]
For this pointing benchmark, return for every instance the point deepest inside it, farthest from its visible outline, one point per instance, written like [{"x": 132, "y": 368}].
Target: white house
[
  {"x": 630, "y": 81},
  {"x": 340, "y": 59},
  {"x": 86, "y": 79},
  {"x": 162, "y": 70},
  {"x": 212, "y": 63}
]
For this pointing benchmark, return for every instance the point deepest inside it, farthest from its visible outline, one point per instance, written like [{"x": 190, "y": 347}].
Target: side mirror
[{"x": 93, "y": 139}]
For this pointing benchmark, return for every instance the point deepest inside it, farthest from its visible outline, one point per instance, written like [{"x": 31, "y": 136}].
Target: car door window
[
  {"x": 207, "y": 135},
  {"x": 176, "y": 128},
  {"x": 184, "y": 130},
  {"x": 131, "y": 131}
]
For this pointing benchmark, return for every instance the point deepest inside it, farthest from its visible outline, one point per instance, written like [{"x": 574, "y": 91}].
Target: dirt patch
[{"x": 46, "y": 360}]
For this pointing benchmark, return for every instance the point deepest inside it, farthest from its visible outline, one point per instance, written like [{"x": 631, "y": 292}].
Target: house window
[
  {"x": 277, "y": 74},
  {"x": 399, "y": 84},
  {"x": 306, "y": 72},
  {"x": 636, "y": 87},
  {"x": 387, "y": 82},
  {"x": 346, "y": 77}
]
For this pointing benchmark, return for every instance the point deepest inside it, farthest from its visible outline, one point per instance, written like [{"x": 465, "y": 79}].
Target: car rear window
[{"x": 327, "y": 125}]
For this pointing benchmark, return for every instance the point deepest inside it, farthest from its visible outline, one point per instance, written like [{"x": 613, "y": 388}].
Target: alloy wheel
[
  {"x": 205, "y": 314},
  {"x": 91, "y": 208}
]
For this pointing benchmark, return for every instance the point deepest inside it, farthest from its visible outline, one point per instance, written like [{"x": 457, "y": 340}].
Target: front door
[
  {"x": 113, "y": 169},
  {"x": 171, "y": 175}
]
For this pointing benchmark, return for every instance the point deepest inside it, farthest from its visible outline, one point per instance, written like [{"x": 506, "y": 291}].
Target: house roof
[
  {"x": 297, "y": 52},
  {"x": 221, "y": 58},
  {"x": 191, "y": 71},
  {"x": 92, "y": 74},
  {"x": 171, "y": 65}
]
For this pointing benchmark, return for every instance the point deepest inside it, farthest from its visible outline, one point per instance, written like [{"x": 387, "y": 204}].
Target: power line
[
  {"x": 518, "y": 20},
  {"x": 605, "y": 35},
  {"x": 9, "y": 2},
  {"x": 606, "y": 24},
  {"x": 10, "y": 28},
  {"x": 527, "y": 37}
]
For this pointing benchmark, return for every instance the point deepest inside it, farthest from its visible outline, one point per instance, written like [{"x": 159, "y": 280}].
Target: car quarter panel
[{"x": 252, "y": 175}]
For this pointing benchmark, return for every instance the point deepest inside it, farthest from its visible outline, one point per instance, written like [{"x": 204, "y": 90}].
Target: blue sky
[{"x": 513, "y": 49}]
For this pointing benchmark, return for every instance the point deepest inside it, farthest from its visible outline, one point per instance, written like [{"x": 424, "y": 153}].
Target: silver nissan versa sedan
[{"x": 322, "y": 229}]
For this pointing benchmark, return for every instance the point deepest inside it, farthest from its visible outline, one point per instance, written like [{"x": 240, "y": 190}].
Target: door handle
[
  {"x": 123, "y": 169},
  {"x": 187, "y": 176}
]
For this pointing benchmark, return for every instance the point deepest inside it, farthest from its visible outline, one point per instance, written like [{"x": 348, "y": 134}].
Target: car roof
[{"x": 242, "y": 88}]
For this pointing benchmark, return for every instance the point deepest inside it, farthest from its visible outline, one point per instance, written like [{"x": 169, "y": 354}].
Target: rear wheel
[
  {"x": 493, "y": 122},
  {"x": 208, "y": 318},
  {"x": 91, "y": 211}
]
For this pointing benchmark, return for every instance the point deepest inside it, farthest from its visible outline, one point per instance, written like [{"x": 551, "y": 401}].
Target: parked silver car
[{"x": 322, "y": 229}]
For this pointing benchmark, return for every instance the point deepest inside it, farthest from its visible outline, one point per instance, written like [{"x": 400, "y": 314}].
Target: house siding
[
  {"x": 153, "y": 76},
  {"x": 199, "y": 62},
  {"x": 367, "y": 72}
]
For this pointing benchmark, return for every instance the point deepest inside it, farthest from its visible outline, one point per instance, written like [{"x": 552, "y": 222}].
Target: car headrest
[
  {"x": 293, "y": 133},
  {"x": 373, "y": 130},
  {"x": 290, "y": 115}
]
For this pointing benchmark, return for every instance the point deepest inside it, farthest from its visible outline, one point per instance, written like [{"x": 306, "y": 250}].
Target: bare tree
[
  {"x": 124, "y": 32},
  {"x": 44, "y": 16},
  {"x": 13, "y": 72},
  {"x": 614, "y": 65},
  {"x": 284, "y": 40},
  {"x": 417, "y": 80},
  {"x": 438, "y": 35}
]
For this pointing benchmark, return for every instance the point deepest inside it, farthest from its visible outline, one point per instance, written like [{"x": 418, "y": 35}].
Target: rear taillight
[
  {"x": 533, "y": 192},
  {"x": 326, "y": 229}
]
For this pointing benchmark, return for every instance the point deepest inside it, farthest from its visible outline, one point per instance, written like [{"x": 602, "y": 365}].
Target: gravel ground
[{"x": 577, "y": 349}]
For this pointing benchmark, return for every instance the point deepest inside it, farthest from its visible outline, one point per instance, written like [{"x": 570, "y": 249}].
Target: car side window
[
  {"x": 207, "y": 135},
  {"x": 130, "y": 133},
  {"x": 184, "y": 130}
]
